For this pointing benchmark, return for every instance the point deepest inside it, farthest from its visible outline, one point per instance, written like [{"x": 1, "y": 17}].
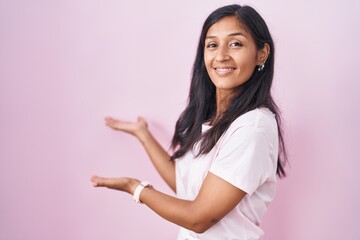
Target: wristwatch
[{"x": 139, "y": 189}]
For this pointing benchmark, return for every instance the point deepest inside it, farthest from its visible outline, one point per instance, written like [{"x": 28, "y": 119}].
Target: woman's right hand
[
  {"x": 136, "y": 129},
  {"x": 158, "y": 155}
]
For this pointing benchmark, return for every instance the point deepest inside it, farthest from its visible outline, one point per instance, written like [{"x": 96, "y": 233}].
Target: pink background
[{"x": 65, "y": 65}]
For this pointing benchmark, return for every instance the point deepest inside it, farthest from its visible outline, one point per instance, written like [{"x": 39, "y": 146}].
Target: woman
[{"x": 226, "y": 142}]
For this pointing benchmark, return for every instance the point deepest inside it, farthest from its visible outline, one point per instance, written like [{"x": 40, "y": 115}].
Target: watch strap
[{"x": 139, "y": 189}]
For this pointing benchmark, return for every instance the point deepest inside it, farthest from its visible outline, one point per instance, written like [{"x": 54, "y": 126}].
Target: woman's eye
[
  {"x": 211, "y": 45},
  {"x": 236, "y": 44}
]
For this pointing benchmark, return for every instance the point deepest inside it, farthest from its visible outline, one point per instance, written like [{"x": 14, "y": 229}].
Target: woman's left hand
[{"x": 124, "y": 184}]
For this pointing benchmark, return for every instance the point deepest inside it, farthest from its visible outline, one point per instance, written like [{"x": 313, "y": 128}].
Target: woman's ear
[{"x": 263, "y": 54}]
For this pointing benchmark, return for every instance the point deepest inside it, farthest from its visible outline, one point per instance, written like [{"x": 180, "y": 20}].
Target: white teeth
[{"x": 224, "y": 70}]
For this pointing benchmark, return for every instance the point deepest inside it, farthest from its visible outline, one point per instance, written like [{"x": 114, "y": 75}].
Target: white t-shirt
[{"x": 245, "y": 156}]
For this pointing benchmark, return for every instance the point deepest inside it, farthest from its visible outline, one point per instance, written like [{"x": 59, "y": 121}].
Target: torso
[{"x": 243, "y": 221}]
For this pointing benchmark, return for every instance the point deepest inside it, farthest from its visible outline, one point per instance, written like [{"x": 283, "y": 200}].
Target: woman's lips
[{"x": 224, "y": 70}]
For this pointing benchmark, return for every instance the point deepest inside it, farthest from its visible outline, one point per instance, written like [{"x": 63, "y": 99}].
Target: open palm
[{"x": 134, "y": 128}]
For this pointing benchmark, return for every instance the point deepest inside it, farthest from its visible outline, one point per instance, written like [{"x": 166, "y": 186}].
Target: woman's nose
[{"x": 222, "y": 54}]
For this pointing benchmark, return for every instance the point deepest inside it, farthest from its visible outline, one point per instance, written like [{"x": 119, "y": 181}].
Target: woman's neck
[{"x": 223, "y": 99}]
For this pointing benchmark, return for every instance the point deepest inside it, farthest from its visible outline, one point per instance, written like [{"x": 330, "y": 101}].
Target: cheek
[
  {"x": 206, "y": 59},
  {"x": 246, "y": 62},
  {"x": 208, "y": 62}
]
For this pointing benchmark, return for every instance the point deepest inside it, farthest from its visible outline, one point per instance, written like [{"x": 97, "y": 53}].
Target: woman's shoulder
[{"x": 259, "y": 119}]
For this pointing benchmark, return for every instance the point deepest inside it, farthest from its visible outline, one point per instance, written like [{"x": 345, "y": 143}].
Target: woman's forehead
[{"x": 227, "y": 26}]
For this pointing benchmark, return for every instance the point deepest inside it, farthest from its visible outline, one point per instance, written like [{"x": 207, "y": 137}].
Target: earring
[{"x": 261, "y": 67}]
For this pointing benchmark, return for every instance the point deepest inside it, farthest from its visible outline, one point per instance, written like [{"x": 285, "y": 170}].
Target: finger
[
  {"x": 110, "y": 120},
  {"x": 94, "y": 180},
  {"x": 142, "y": 121},
  {"x": 100, "y": 181},
  {"x": 116, "y": 124}
]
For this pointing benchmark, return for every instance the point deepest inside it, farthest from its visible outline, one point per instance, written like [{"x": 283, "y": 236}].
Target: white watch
[{"x": 139, "y": 189}]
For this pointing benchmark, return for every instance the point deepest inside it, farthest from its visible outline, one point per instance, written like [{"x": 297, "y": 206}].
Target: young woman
[{"x": 227, "y": 144}]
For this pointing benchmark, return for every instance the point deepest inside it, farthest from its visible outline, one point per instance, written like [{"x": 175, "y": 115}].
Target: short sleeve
[{"x": 244, "y": 159}]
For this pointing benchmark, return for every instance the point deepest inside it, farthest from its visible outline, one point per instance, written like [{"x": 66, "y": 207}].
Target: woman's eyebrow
[
  {"x": 238, "y": 34},
  {"x": 230, "y": 35}
]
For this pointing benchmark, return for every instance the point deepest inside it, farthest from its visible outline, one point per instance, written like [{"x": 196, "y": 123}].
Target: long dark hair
[{"x": 254, "y": 93}]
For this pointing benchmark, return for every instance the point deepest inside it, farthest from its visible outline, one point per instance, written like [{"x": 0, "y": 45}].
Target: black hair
[{"x": 254, "y": 93}]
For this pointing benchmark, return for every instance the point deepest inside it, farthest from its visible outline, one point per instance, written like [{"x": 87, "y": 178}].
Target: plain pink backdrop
[{"x": 65, "y": 65}]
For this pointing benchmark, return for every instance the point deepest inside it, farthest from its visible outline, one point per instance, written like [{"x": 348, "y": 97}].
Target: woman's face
[{"x": 230, "y": 54}]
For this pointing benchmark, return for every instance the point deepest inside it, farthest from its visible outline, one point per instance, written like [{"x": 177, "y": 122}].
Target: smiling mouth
[{"x": 224, "y": 70}]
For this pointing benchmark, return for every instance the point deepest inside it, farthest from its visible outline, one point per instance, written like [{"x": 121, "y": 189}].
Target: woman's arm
[
  {"x": 215, "y": 199},
  {"x": 159, "y": 157}
]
